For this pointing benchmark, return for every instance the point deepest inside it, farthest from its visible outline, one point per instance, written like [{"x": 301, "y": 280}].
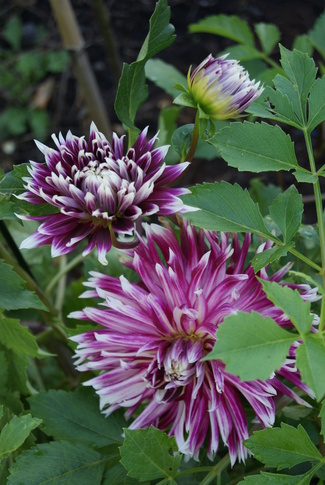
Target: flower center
[
  {"x": 176, "y": 364},
  {"x": 95, "y": 174}
]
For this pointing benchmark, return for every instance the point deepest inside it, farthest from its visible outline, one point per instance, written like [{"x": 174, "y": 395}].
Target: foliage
[
  {"x": 51, "y": 428},
  {"x": 24, "y": 75}
]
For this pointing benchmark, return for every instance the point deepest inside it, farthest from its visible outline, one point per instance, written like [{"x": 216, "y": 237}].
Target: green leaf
[
  {"x": 15, "y": 432},
  {"x": 268, "y": 256},
  {"x": 251, "y": 346},
  {"x": 256, "y": 147},
  {"x": 311, "y": 364},
  {"x": 275, "y": 105},
  {"x": 58, "y": 463},
  {"x": 242, "y": 52},
  {"x": 165, "y": 76},
  {"x": 303, "y": 43},
  {"x": 291, "y": 303},
  {"x": 13, "y": 293},
  {"x": 301, "y": 70},
  {"x": 305, "y": 177},
  {"x": 12, "y": 183},
  {"x": 316, "y": 104},
  {"x": 263, "y": 194},
  {"x": 278, "y": 479},
  {"x": 181, "y": 140},
  {"x": 283, "y": 447},
  {"x": 316, "y": 35},
  {"x": 269, "y": 36},
  {"x": 117, "y": 475},
  {"x": 12, "y": 32},
  {"x": 17, "y": 338},
  {"x": 63, "y": 414},
  {"x": 146, "y": 454},
  {"x": 225, "y": 207},
  {"x": 229, "y": 26},
  {"x": 17, "y": 364},
  {"x": 286, "y": 211},
  {"x": 184, "y": 99},
  {"x": 132, "y": 89}
]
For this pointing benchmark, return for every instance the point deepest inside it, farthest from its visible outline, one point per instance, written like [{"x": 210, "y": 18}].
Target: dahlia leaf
[
  {"x": 15, "y": 432},
  {"x": 311, "y": 363},
  {"x": 63, "y": 414},
  {"x": 117, "y": 475},
  {"x": 146, "y": 454},
  {"x": 316, "y": 35},
  {"x": 283, "y": 447},
  {"x": 291, "y": 303},
  {"x": 301, "y": 71},
  {"x": 243, "y": 52},
  {"x": 225, "y": 207},
  {"x": 270, "y": 255},
  {"x": 59, "y": 463},
  {"x": 278, "y": 479},
  {"x": 229, "y": 26},
  {"x": 13, "y": 292},
  {"x": 17, "y": 364},
  {"x": 165, "y": 76},
  {"x": 17, "y": 338},
  {"x": 255, "y": 147},
  {"x": 269, "y": 35},
  {"x": 132, "y": 89},
  {"x": 286, "y": 211},
  {"x": 316, "y": 104},
  {"x": 251, "y": 346},
  {"x": 275, "y": 105},
  {"x": 12, "y": 184}
]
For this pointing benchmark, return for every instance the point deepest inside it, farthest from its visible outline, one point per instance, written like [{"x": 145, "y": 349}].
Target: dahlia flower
[
  {"x": 99, "y": 190},
  {"x": 221, "y": 88},
  {"x": 153, "y": 335}
]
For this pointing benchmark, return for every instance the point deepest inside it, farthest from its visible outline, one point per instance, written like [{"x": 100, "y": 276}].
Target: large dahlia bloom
[
  {"x": 99, "y": 189},
  {"x": 221, "y": 87},
  {"x": 154, "y": 334}
]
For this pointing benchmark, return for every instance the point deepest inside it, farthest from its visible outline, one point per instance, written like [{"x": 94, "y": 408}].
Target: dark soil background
[{"x": 129, "y": 20}]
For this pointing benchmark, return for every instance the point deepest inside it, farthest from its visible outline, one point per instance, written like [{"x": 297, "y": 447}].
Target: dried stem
[
  {"x": 104, "y": 22},
  {"x": 73, "y": 41}
]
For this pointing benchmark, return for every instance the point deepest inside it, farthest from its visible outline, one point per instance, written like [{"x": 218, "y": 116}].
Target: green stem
[
  {"x": 306, "y": 260},
  {"x": 320, "y": 220},
  {"x": 192, "y": 471},
  {"x": 62, "y": 272},
  {"x": 216, "y": 471},
  {"x": 195, "y": 138}
]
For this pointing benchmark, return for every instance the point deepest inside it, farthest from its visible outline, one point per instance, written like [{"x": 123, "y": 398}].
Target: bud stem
[{"x": 195, "y": 138}]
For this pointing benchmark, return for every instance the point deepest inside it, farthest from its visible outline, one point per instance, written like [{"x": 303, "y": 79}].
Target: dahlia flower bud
[
  {"x": 147, "y": 353},
  {"x": 221, "y": 88},
  {"x": 99, "y": 190}
]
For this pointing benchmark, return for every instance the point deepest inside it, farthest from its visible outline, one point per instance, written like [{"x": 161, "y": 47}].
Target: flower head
[
  {"x": 154, "y": 334},
  {"x": 222, "y": 88},
  {"x": 99, "y": 190}
]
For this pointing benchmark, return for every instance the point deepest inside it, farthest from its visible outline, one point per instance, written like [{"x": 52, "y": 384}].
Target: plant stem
[
  {"x": 216, "y": 471},
  {"x": 195, "y": 138},
  {"x": 320, "y": 220},
  {"x": 63, "y": 271},
  {"x": 192, "y": 471}
]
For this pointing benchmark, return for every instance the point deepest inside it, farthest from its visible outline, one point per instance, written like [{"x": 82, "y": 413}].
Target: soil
[{"x": 129, "y": 20}]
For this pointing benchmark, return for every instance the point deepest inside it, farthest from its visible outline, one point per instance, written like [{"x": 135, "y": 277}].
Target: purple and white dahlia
[
  {"x": 221, "y": 87},
  {"x": 154, "y": 334},
  {"x": 99, "y": 190}
]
